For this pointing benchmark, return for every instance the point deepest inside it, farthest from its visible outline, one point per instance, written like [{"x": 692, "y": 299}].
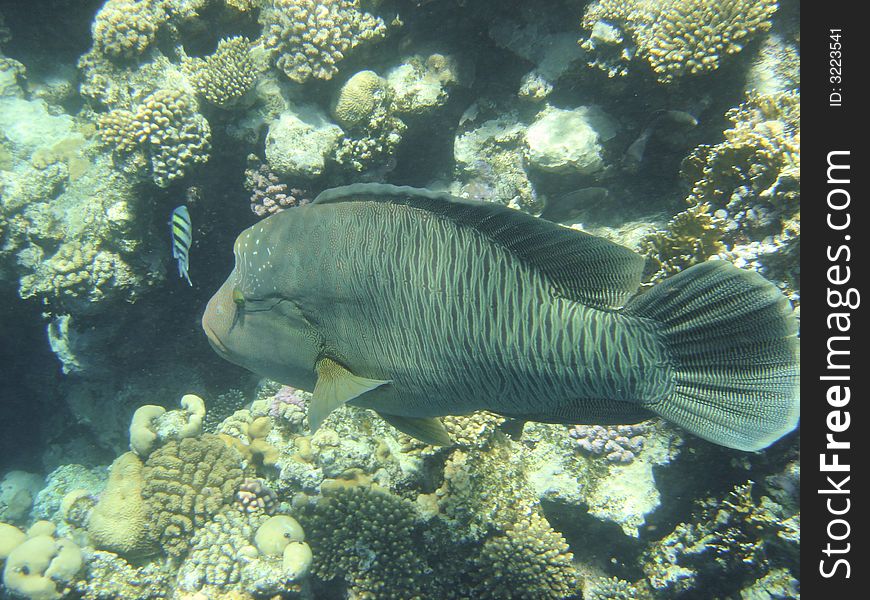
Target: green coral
[
  {"x": 365, "y": 535},
  {"x": 224, "y": 77},
  {"x": 166, "y": 127},
  {"x": 691, "y": 237},
  {"x": 186, "y": 484},
  {"x": 124, "y": 29},
  {"x": 528, "y": 559},
  {"x": 307, "y": 38},
  {"x": 676, "y": 37}
]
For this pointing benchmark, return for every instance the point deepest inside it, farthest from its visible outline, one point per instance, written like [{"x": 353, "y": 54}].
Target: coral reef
[
  {"x": 268, "y": 194},
  {"x": 308, "y": 38},
  {"x": 187, "y": 483},
  {"x": 569, "y": 141},
  {"x": 226, "y": 76},
  {"x": 692, "y": 236},
  {"x": 676, "y": 37},
  {"x": 300, "y": 141},
  {"x": 364, "y": 109},
  {"x": 42, "y": 567},
  {"x": 123, "y": 29},
  {"x": 165, "y": 126},
  {"x": 616, "y": 443},
  {"x": 364, "y": 535},
  {"x": 527, "y": 560}
]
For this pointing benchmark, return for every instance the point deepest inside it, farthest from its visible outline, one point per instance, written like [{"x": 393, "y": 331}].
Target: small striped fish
[{"x": 182, "y": 235}]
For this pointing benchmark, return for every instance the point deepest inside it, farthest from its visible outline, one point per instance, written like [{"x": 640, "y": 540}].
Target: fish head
[{"x": 251, "y": 321}]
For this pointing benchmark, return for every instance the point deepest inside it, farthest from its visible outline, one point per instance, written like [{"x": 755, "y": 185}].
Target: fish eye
[{"x": 238, "y": 297}]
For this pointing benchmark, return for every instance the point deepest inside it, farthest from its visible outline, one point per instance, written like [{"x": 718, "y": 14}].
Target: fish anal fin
[
  {"x": 429, "y": 430},
  {"x": 335, "y": 386}
]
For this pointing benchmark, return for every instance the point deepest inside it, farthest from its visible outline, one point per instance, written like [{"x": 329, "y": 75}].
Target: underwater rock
[
  {"x": 18, "y": 491},
  {"x": 569, "y": 141},
  {"x": 300, "y": 141}
]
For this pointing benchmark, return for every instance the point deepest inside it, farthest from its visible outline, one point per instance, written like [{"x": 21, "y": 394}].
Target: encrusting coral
[
  {"x": 308, "y": 38},
  {"x": 676, "y": 37}
]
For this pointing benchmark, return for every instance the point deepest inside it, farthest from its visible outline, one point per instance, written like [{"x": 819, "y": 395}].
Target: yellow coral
[
  {"x": 119, "y": 521},
  {"x": 692, "y": 236},
  {"x": 224, "y": 77},
  {"x": 360, "y": 98},
  {"x": 125, "y": 28},
  {"x": 307, "y": 37}
]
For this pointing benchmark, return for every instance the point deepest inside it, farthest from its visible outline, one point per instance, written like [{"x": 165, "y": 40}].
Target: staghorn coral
[
  {"x": 224, "y": 77},
  {"x": 616, "y": 443},
  {"x": 186, "y": 483},
  {"x": 166, "y": 127},
  {"x": 123, "y": 29},
  {"x": 676, "y": 37},
  {"x": 307, "y": 38},
  {"x": 691, "y": 237},
  {"x": 528, "y": 559},
  {"x": 365, "y": 536}
]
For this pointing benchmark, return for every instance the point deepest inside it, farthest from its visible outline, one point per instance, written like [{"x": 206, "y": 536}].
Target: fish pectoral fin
[
  {"x": 335, "y": 386},
  {"x": 429, "y": 430}
]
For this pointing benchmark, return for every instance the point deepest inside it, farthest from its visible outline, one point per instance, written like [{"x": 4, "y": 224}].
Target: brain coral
[
  {"x": 365, "y": 535},
  {"x": 225, "y": 76},
  {"x": 308, "y": 38},
  {"x": 528, "y": 560},
  {"x": 165, "y": 125},
  {"x": 187, "y": 483},
  {"x": 676, "y": 37},
  {"x": 125, "y": 28}
]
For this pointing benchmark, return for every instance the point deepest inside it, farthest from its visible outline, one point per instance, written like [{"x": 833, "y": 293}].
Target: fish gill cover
[{"x": 136, "y": 463}]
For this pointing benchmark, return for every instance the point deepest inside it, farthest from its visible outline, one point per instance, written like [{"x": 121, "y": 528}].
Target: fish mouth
[{"x": 214, "y": 340}]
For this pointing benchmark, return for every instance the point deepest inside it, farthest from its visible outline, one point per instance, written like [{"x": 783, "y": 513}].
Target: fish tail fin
[{"x": 731, "y": 336}]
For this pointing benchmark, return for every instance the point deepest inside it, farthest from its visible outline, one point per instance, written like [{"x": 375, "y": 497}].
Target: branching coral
[
  {"x": 308, "y": 38},
  {"x": 365, "y": 536},
  {"x": 224, "y": 77},
  {"x": 124, "y": 29},
  {"x": 527, "y": 560},
  {"x": 269, "y": 195},
  {"x": 730, "y": 540},
  {"x": 692, "y": 236},
  {"x": 173, "y": 135},
  {"x": 676, "y": 37}
]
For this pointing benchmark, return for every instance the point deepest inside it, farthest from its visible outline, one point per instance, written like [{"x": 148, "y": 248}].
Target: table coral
[
  {"x": 308, "y": 38},
  {"x": 225, "y": 76},
  {"x": 676, "y": 37},
  {"x": 166, "y": 127}
]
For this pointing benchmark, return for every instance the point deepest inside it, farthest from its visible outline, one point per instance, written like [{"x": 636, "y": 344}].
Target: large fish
[{"x": 418, "y": 305}]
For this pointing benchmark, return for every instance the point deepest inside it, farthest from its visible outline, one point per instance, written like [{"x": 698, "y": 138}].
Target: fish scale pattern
[{"x": 490, "y": 320}]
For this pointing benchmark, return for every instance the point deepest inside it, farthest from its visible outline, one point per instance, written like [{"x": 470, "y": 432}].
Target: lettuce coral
[{"x": 308, "y": 38}]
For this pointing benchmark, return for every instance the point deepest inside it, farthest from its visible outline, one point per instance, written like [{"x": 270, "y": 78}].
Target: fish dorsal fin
[
  {"x": 335, "y": 386},
  {"x": 429, "y": 430},
  {"x": 579, "y": 266}
]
